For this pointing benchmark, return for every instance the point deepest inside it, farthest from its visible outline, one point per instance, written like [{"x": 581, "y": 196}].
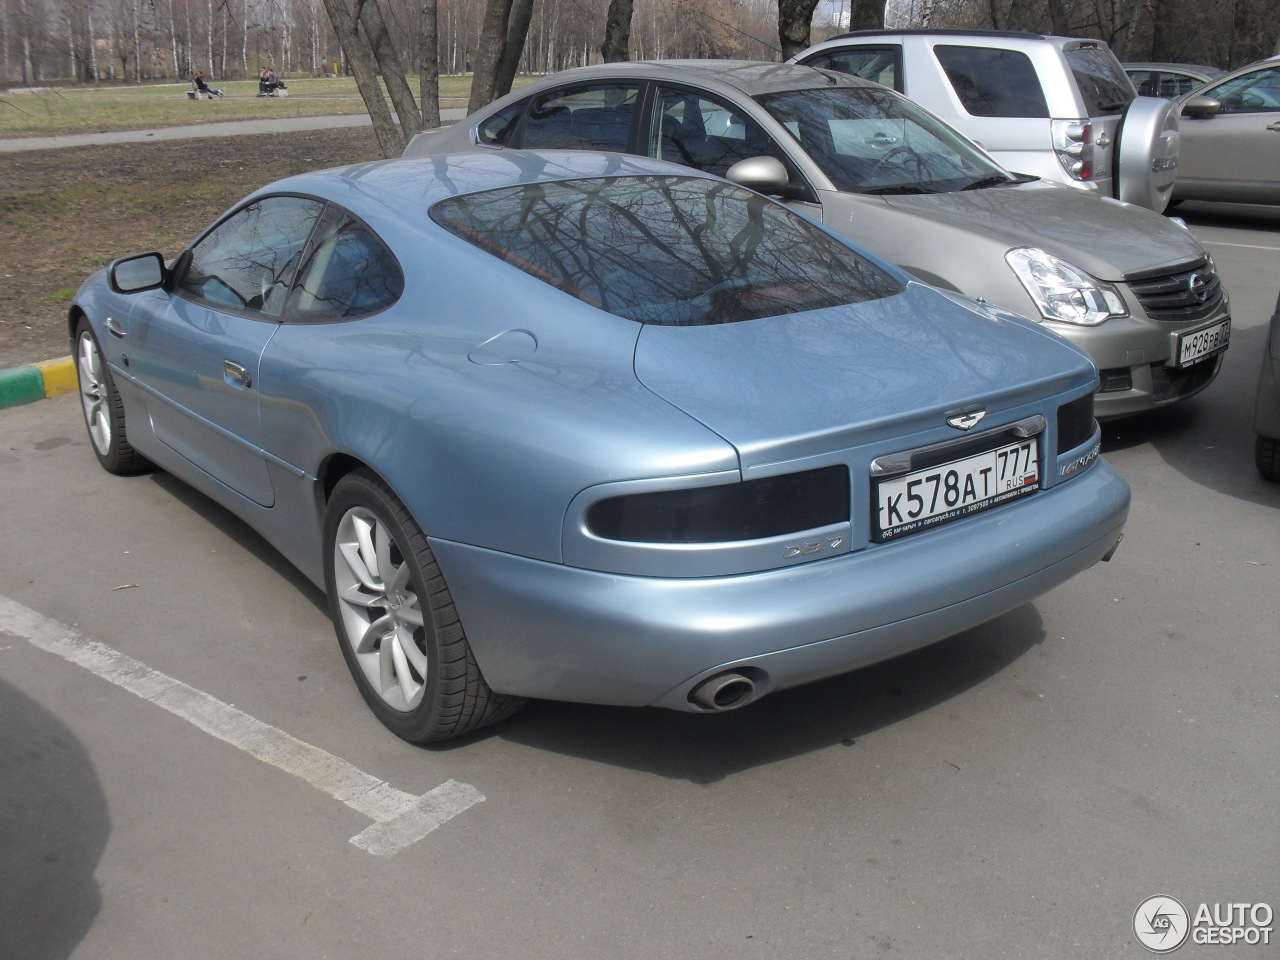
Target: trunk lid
[{"x": 800, "y": 385}]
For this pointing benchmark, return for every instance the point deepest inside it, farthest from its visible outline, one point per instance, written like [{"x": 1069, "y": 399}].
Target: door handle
[
  {"x": 1274, "y": 126},
  {"x": 235, "y": 374},
  {"x": 114, "y": 328}
]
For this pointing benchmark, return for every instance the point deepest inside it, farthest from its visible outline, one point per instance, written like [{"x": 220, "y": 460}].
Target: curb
[{"x": 35, "y": 381}]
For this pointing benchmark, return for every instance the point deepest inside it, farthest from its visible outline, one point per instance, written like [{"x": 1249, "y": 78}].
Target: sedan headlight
[{"x": 1063, "y": 292}]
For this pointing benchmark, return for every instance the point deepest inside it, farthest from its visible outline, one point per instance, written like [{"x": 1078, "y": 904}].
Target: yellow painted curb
[{"x": 59, "y": 376}]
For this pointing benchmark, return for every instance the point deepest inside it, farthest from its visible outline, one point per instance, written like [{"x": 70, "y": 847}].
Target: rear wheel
[
  {"x": 102, "y": 408},
  {"x": 395, "y": 619}
]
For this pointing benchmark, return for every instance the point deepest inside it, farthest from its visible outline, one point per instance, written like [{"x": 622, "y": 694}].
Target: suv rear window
[
  {"x": 993, "y": 83},
  {"x": 675, "y": 251},
  {"x": 1104, "y": 86}
]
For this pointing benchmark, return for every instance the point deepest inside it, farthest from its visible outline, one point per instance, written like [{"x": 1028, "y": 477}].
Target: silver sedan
[
  {"x": 1231, "y": 138},
  {"x": 1135, "y": 290}
]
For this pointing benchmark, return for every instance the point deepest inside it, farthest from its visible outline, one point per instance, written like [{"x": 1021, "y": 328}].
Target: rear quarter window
[{"x": 993, "y": 83}]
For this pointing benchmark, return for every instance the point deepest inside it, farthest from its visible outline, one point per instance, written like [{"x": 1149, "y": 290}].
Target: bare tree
[
  {"x": 493, "y": 45},
  {"x": 794, "y": 18},
  {"x": 617, "y": 32},
  {"x": 517, "y": 32},
  {"x": 390, "y": 140},
  {"x": 384, "y": 51},
  {"x": 429, "y": 63}
]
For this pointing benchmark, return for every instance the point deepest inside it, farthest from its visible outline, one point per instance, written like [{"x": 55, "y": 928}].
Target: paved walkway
[{"x": 230, "y": 128}]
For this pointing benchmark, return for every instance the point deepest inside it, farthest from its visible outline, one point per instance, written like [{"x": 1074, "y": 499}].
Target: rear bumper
[{"x": 551, "y": 631}]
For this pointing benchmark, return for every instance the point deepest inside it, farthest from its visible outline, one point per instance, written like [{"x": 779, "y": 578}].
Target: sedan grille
[{"x": 1191, "y": 291}]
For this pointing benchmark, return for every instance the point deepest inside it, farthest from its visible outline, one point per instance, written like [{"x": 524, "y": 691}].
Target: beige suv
[{"x": 1061, "y": 108}]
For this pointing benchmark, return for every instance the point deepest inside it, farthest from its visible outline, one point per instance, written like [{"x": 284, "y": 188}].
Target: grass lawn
[
  {"x": 67, "y": 213},
  {"x": 49, "y": 111}
]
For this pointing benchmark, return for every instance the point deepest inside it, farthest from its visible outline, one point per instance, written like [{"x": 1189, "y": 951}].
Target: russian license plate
[
  {"x": 934, "y": 495},
  {"x": 1198, "y": 344}
]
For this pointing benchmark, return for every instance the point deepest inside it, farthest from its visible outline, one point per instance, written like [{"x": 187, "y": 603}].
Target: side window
[
  {"x": 594, "y": 117},
  {"x": 993, "y": 83},
  {"x": 1173, "y": 85},
  {"x": 879, "y": 64},
  {"x": 1146, "y": 82},
  {"x": 704, "y": 133},
  {"x": 348, "y": 273},
  {"x": 496, "y": 130},
  {"x": 247, "y": 262},
  {"x": 1253, "y": 93}
]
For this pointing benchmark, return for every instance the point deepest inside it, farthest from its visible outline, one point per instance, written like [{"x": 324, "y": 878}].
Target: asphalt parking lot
[{"x": 187, "y": 770}]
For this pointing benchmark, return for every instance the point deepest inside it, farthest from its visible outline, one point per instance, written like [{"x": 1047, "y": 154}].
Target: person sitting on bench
[{"x": 203, "y": 90}]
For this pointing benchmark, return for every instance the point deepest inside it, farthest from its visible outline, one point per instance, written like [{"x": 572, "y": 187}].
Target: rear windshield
[
  {"x": 1104, "y": 86},
  {"x": 666, "y": 250}
]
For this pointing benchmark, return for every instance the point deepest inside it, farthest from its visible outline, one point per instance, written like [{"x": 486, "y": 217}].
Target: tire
[
  {"x": 102, "y": 407},
  {"x": 1267, "y": 456},
  {"x": 396, "y": 622}
]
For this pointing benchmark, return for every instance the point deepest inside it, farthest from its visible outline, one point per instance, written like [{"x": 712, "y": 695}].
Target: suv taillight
[{"x": 1073, "y": 142}]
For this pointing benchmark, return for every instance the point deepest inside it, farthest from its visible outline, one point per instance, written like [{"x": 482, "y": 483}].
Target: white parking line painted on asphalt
[
  {"x": 1242, "y": 246},
  {"x": 400, "y": 818}
]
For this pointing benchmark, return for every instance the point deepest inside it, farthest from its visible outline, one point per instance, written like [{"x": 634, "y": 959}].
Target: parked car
[
  {"x": 1231, "y": 138},
  {"x": 596, "y": 428},
  {"x": 1169, "y": 80},
  {"x": 1061, "y": 108},
  {"x": 1266, "y": 411},
  {"x": 1138, "y": 292}
]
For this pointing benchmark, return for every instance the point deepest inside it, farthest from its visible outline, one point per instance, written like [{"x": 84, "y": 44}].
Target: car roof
[
  {"x": 1197, "y": 68},
  {"x": 752, "y": 77},
  {"x": 406, "y": 187}
]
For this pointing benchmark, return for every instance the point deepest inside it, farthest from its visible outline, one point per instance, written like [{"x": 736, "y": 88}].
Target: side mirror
[
  {"x": 765, "y": 175},
  {"x": 1201, "y": 107},
  {"x": 142, "y": 271}
]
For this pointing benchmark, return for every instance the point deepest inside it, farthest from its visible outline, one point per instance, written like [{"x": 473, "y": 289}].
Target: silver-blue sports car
[{"x": 596, "y": 428}]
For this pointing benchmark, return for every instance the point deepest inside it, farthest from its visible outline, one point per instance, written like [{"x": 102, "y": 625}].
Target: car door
[
  {"x": 194, "y": 347},
  {"x": 1236, "y": 152},
  {"x": 700, "y": 130}
]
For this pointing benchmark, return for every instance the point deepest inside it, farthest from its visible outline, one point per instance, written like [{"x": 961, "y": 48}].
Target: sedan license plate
[
  {"x": 1195, "y": 346},
  {"x": 948, "y": 491}
]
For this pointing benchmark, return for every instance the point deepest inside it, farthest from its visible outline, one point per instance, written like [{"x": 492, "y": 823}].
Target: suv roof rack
[{"x": 943, "y": 32}]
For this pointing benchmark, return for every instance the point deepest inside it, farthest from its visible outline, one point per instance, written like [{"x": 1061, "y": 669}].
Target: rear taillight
[
  {"x": 1073, "y": 142},
  {"x": 750, "y": 510}
]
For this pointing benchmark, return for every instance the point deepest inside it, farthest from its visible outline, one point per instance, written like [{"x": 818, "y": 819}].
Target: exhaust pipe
[{"x": 724, "y": 691}]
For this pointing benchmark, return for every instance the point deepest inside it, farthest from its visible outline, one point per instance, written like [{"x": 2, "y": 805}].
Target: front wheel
[
  {"x": 102, "y": 408},
  {"x": 395, "y": 619}
]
